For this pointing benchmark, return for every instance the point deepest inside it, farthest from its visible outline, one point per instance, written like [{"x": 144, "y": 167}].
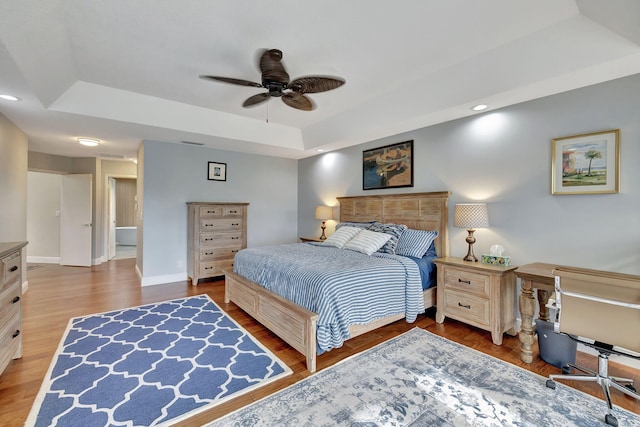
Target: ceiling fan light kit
[{"x": 276, "y": 80}]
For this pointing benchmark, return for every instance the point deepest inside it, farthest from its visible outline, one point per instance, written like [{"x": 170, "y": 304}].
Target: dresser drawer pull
[
  {"x": 207, "y": 239},
  {"x": 233, "y": 251},
  {"x": 235, "y": 225},
  {"x": 234, "y": 238},
  {"x": 209, "y": 225},
  {"x": 16, "y": 333},
  {"x": 464, "y": 306},
  {"x": 468, "y": 282},
  {"x": 209, "y": 268},
  {"x": 12, "y": 269},
  {"x": 233, "y": 211},
  {"x": 15, "y": 300}
]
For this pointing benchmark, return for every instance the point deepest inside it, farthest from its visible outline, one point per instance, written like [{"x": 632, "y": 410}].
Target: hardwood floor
[{"x": 58, "y": 293}]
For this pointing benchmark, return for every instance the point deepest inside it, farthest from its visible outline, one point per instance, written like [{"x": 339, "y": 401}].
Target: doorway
[{"x": 121, "y": 217}]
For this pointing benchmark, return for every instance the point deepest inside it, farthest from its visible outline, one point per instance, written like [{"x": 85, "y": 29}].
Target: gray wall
[
  {"x": 13, "y": 182},
  {"x": 504, "y": 158},
  {"x": 174, "y": 174}
]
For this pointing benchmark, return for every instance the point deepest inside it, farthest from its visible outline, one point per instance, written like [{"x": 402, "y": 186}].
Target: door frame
[{"x": 105, "y": 210}]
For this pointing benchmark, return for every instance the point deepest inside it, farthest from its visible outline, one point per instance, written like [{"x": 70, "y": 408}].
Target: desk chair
[{"x": 601, "y": 310}]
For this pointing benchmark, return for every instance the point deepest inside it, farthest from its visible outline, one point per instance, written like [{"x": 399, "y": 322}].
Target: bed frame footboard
[{"x": 292, "y": 323}]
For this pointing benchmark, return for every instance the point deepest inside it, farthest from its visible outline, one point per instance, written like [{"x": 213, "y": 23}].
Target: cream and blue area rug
[
  {"x": 150, "y": 365},
  {"x": 421, "y": 379}
]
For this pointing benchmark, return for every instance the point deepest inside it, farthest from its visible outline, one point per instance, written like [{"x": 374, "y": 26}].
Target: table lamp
[
  {"x": 324, "y": 213},
  {"x": 471, "y": 216}
]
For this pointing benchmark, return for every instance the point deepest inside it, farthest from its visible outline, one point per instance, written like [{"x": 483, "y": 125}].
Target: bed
[{"x": 297, "y": 325}]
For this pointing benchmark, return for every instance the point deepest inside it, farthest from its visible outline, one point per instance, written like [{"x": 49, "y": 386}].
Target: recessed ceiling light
[
  {"x": 89, "y": 142},
  {"x": 479, "y": 107},
  {"x": 9, "y": 97},
  {"x": 320, "y": 150}
]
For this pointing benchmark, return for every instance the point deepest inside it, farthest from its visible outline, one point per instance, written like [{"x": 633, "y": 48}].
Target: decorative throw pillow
[
  {"x": 341, "y": 236},
  {"x": 367, "y": 242},
  {"x": 393, "y": 230},
  {"x": 363, "y": 225},
  {"x": 415, "y": 243}
]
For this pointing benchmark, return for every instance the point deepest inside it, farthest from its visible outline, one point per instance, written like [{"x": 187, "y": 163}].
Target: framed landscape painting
[
  {"x": 390, "y": 166},
  {"x": 586, "y": 164}
]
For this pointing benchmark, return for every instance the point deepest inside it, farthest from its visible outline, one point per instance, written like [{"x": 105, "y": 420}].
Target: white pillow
[
  {"x": 367, "y": 242},
  {"x": 341, "y": 236}
]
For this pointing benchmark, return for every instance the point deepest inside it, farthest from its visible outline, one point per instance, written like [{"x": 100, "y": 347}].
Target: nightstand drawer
[
  {"x": 466, "y": 307},
  {"x": 466, "y": 281}
]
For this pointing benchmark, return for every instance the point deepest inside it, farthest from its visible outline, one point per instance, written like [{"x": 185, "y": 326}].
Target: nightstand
[
  {"x": 310, "y": 239},
  {"x": 478, "y": 294}
]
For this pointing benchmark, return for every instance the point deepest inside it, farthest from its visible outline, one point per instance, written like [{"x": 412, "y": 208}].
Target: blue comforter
[{"x": 343, "y": 287}]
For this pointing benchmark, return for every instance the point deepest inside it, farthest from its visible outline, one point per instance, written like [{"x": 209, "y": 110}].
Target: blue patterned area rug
[
  {"x": 421, "y": 379},
  {"x": 151, "y": 365}
]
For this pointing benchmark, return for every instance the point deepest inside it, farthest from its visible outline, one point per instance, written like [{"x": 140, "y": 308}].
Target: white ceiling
[{"x": 123, "y": 71}]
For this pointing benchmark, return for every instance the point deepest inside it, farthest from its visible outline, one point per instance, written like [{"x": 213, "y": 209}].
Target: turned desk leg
[
  {"x": 543, "y": 299},
  {"x": 527, "y": 310}
]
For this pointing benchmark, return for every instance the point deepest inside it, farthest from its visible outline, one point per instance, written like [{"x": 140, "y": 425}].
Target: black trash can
[{"x": 555, "y": 349}]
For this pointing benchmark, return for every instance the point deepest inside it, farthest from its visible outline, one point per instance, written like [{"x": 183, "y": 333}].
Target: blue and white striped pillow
[
  {"x": 341, "y": 236},
  {"x": 415, "y": 243},
  {"x": 394, "y": 230},
  {"x": 367, "y": 242}
]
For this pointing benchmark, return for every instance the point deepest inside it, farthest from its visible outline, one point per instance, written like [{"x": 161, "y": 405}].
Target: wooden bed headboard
[{"x": 420, "y": 211}]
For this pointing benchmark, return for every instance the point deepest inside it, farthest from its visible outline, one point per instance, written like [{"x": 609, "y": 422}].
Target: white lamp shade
[
  {"x": 471, "y": 215},
  {"x": 324, "y": 212}
]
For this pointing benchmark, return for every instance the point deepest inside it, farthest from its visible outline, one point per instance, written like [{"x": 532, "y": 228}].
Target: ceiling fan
[{"x": 276, "y": 80}]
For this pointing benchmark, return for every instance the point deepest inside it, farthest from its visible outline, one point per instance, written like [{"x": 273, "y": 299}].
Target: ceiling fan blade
[
  {"x": 255, "y": 99},
  {"x": 272, "y": 68},
  {"x": 297, "y": 100},
  {"x": 231, "y": 80},
  {"x": 315, "y": 84}
]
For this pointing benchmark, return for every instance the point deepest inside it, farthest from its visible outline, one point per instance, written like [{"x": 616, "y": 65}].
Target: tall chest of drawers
[
  {"x": 10, "y": 302},
  {"x": 217, "y": 231}
]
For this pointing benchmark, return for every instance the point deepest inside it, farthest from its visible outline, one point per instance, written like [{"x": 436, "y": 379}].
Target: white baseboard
[
  {"x": 160, "y": 280},
  {"x": 43, "y": 259}
]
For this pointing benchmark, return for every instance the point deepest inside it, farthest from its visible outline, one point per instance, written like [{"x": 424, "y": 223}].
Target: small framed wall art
[
  {"x": 217, "y": 171},
  {"x": 390, "y": 166},
  {"x": 586, "y": 164}
]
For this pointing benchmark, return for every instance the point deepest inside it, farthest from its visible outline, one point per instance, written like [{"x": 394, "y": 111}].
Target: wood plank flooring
[{"x": 58, "y": 293}]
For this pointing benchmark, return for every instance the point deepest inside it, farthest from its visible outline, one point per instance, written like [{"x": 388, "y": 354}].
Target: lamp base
[
  {"x": 324, "y": 227},
  {"x": 470, "y": 240},
  {"x": 470, "y": 257}
]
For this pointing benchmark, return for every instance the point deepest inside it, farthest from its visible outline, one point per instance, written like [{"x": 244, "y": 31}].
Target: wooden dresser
[
  {"x": 10, "y": 302},
  {"x": 217, "y": 231},
  {"x": 477, "y": 294}
]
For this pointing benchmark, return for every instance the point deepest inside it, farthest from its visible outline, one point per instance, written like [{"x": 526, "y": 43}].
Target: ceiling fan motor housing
[{"x": 275, "y": 87}]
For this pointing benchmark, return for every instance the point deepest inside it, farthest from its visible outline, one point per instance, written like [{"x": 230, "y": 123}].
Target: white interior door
[
  {"x": 112, "y": 217},
  {"x": 75, "y": 220}
]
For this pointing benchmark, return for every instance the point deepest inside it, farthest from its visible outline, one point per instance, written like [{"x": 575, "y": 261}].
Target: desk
[{"x": 533, "y": 276}]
